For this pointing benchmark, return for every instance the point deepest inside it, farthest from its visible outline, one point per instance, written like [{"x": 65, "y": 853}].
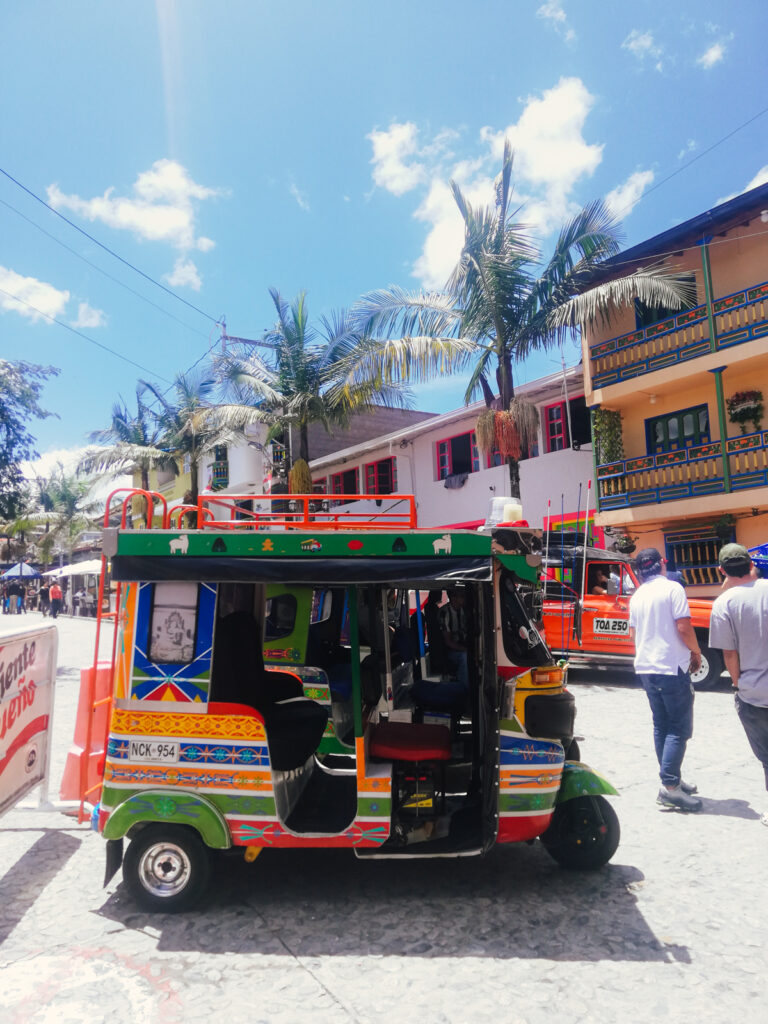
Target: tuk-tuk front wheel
[
  {"x": 166, "y": 868},
  {"x": 583, "y": 834}
]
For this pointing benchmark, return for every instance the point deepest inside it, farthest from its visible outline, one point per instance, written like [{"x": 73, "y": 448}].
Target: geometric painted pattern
[{"x": 186, "y": 726}]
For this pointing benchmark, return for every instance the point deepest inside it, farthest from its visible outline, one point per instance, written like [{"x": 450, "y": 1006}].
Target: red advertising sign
[{"x": 27, "y": 676}]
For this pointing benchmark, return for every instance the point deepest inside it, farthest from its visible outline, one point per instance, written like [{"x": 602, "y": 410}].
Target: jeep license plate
[
  {"x": 611, "y": 627},
  {"x": 158, "y": 751}
]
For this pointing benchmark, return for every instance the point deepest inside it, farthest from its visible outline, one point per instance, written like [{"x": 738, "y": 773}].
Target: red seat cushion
[{"x": 408, "y": 741}]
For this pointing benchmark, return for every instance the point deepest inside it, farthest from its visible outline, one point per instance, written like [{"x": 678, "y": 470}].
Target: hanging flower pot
[{"x": 746, "y": 407}]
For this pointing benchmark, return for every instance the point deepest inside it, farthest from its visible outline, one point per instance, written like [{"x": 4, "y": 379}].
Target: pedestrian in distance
[
  {"x": 666, "y": 652},
  {"x": 57, "y": 596},
  {"x": 455, "y": 632},
  {"x": 45, "y": 598},
  {"x": 739, "y": 628}
]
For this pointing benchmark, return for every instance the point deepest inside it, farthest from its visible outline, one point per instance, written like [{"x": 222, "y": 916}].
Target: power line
[
  {"x": 85, "y": 337},
  {"x": 100, "y": 270},
  {"x": 690, "y": 162},
  {"x": 106, "y": 248},
  {"x": 659, "y": 257}
]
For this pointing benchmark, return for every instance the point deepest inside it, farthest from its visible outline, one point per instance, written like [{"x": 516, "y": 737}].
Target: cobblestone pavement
[{"x": 673, "y": 929}]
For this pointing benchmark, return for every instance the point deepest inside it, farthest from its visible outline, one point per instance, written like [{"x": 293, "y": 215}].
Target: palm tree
[
  {"x": 191, "y": 424},
  {"x": 314, "y": 376},
  {"x": 130, "y": 442},
  {"x": 60, "y": 508},
  {"x": 502, "y": 301}
]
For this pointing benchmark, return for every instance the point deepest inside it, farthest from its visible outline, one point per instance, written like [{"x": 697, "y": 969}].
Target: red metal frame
[
  {"x": 305, "y": 514},
  {"x": 472, "y": 446},
  {"x": 548, "y": 437},
  {"x": 340, "y": 478},
  {"x": 392, "y": 474}
]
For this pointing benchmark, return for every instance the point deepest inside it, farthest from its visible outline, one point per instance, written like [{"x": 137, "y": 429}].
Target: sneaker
[
  {"x": 678, "y": 799},
  {"x": 688, "y": 787},
  {"x": 764, "y": 818}
]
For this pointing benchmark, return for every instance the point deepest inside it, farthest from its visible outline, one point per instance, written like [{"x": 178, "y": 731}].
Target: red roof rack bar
[{"x": 307, "y": 511}]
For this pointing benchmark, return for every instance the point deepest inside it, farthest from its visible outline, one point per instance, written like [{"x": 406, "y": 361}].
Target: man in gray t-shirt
[{"x": 739, "y": 627}]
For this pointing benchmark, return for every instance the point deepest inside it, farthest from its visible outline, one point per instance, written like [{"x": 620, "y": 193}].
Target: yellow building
[{"x": 684, "y": 393}]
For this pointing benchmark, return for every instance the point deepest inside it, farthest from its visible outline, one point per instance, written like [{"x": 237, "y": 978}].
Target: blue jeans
[
  {"x": 457, "y": 663},
  {"x": 671, "y": 700}
]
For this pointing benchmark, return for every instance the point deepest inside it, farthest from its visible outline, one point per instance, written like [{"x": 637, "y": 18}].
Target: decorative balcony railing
[
  {"x": 688, "y": 473},
  {"x": 740, "y": 317},
  {"x": 219, "y": 475}
]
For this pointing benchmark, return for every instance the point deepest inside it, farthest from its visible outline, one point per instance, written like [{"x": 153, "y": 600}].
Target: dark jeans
[
  {"x": 671, "y": 700},
  {"x": 55, "y": 606},
  {"x": 755, "y": 722}
]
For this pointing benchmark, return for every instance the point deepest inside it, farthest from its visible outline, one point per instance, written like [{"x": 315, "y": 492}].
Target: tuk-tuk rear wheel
[
  {"x": 583, "y": 834},
  {"x": 166, "y": 868}
]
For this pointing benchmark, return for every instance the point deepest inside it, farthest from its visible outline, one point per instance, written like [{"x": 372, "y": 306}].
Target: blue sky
[{"x": 225, "y": 148}]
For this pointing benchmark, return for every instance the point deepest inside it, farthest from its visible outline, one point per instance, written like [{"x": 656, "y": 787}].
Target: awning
[
  {"x": 90, "y": 568},
  {"x": 307, "y": 571}
]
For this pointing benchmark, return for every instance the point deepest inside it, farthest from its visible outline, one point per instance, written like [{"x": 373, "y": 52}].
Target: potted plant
[
  {"x": 609, "y": 440},
  {"x": 746, "y": 407},
  {"x": 624, "y": 544}
]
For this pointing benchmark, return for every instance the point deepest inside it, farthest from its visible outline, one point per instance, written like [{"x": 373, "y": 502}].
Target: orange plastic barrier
[{"x": 70, "y": 781}]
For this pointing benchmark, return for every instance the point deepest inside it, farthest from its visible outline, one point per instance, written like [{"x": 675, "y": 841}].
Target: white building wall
[
  {"x": 555, "y": 477},
  {"x": 546, "y": 477}
]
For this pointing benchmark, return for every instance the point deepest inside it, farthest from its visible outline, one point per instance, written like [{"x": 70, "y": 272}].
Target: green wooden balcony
[
  {"x": 687, "y": 473},
  {"x": 740, "y": 317}
]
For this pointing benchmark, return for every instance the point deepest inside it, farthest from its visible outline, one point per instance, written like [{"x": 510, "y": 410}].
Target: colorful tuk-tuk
[{"x": 277, "y": 683}]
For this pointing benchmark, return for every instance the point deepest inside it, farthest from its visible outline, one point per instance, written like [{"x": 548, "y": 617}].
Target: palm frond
[
  {"x": 654, "y": 286},
  {"x": 394, "y": 310}
]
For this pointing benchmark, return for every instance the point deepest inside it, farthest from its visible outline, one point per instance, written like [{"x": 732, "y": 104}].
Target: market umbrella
[{"x": 19, "y": 570}]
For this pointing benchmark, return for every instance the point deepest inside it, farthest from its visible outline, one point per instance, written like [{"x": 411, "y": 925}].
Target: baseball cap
[
  {"x": 733, "y": 556},
  {"x": 648, "y": 562}
]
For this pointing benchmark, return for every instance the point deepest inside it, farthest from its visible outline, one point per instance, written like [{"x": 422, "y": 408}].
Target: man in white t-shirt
[
  {"x": 666, "y": 651},
  {"x": 739, "y": 628}
]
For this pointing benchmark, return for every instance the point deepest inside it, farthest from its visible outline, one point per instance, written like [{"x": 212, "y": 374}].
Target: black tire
[
  {"x": 166, "y": 868},
  {"x": 711, "y": 670},
  {"x": 584, "y": 833}
]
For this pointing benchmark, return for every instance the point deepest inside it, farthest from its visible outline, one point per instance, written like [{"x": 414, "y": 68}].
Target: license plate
[
  {"x": 610, "y": 627},
  {"x": 160, "y": 751}
]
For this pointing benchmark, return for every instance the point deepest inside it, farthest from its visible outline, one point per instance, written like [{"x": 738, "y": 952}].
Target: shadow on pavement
[
  {"x": 515, "y": 903},
  {"x": 22, "y": 884},
  {"x": 728, "y": 808}
]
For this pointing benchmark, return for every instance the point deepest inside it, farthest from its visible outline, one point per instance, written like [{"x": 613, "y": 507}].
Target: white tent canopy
[{"x": 90, "y": 568}]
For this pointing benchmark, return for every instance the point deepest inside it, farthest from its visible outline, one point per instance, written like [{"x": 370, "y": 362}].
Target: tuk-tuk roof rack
[{"x": 265, "y": 511}]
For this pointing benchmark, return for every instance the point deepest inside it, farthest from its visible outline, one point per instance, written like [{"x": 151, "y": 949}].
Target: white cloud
[
  {"x": 551, "y": 156},
  {"x": 446, "y": 234},
  {"x": 622, "y": 200},
  {"x": 689, "y": 147},
  {"x": 184, "y": 275},
  {"x": 391, "y": 148},
  {"x": 162, "y": 207},
  {"x": 761, "y": 178},
  {"x": 299, "y": 196},
  {"x": 553, "y": 12},
  {"x": 29, "y": 297},
  {"x": 643, "y": 46},
  {"x": 551, "y": 153},
  {"x": 711, "y": 56},
  {"x": 87, "y": 316}
]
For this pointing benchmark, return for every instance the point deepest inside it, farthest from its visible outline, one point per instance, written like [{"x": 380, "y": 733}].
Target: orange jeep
[{"x": 598, "y": 628}]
